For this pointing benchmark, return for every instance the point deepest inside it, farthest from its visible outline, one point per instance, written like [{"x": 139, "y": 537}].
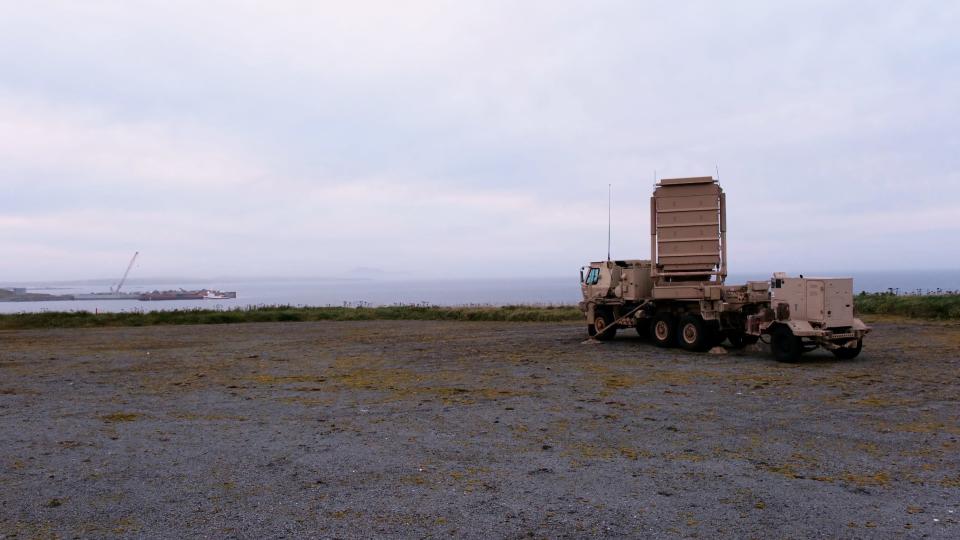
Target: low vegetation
[
  {"x": 918, "y": 307},
  {"x": 85, "y": 319}
]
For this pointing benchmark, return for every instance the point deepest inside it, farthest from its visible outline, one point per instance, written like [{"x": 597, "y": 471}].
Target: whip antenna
[{"x": 609, "y": 207}]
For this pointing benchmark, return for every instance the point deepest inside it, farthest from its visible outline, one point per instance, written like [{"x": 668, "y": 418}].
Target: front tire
[
  {"x": 693, "y": 333},
  {"x": 603, "y": 327},
  {"x": 663, "y": 330},
  {"x": 848, "y": 353},
  {"x": 786, "y": 347}
]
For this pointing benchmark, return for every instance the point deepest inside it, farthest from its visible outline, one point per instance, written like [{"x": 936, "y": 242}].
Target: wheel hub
[
  {"x": 661, "y": 330},
  {"x": 689, "y": 333}
]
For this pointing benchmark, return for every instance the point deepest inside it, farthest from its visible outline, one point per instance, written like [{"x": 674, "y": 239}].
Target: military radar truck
[{"x": 679, "y": 296}]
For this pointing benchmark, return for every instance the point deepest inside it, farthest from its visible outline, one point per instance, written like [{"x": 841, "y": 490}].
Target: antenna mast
[{"x": 609, "y": 209}]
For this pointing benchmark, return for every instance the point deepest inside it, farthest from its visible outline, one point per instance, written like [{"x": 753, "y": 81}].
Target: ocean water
[
  {"x": 322, "y": 292},
  {"x": 338, "y": 292}
]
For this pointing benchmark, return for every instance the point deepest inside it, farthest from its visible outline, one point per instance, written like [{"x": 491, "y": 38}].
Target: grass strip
[
  {"x": 942, "y": 307},
  {"x": 86, "y": 319}
]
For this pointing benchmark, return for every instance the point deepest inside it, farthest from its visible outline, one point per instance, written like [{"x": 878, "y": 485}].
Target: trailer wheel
[
  {"x": 739, "y": 340},
  {"x": 693, "y": 333},
  {"x": 603, "y": 327},
  {"x": 848, "y": 353},
  {"x": 786, "y": 347},
  {"x": 662, "y": 330}
]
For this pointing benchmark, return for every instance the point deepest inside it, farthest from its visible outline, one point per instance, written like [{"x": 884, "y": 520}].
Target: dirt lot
[{"x": 358, "y": 429}]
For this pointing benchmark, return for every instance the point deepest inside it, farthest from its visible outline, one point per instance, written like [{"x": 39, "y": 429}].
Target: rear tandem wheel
[
  {"x": 693, "y": 333},
  {"x": 663, "y": 330},
  {"x": 643, "y": 328}
]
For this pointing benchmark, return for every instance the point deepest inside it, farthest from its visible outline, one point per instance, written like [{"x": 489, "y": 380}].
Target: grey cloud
[{"x": 478, "y": 137}]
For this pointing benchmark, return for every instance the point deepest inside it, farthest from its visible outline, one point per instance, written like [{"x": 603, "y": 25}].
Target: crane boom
[{"x": 129, "y": 266}]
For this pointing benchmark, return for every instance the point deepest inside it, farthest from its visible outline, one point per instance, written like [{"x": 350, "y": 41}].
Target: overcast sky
[{"x": 470, "y": 139}]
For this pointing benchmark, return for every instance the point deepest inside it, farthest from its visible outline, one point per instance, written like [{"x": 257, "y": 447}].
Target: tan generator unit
[
  {"x": 806, "y": 313},
  {"x": 822, "y": 301}
]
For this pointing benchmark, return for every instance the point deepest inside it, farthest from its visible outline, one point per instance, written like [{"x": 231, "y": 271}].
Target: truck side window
[{"x": 593, "y": 277}]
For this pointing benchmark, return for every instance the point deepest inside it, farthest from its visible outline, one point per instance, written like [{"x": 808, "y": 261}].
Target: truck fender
[
  {"x": 591, "y": 310},
  {"x": 799, "y": 328},
  {"x": 859, "y": 326}
]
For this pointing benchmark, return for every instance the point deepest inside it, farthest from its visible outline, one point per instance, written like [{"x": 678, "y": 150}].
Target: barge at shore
[
  {"x": 202, "y": 294},
  {"x": 107, "y": 296}
]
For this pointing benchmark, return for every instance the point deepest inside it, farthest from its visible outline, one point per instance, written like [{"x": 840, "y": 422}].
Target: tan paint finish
[
  {"x": 827, "y": 302},
  {"x": 688, "y": 248}
]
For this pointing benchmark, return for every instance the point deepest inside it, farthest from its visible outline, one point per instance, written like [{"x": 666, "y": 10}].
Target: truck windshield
[{"x": 593, "y": 277}]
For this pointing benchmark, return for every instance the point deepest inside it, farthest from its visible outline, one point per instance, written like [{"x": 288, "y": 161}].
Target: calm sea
[{"x": 331, "y": 292}]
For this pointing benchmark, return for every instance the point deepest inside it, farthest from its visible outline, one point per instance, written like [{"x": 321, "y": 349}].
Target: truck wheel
[
  {"x": 603, "y": 329},
  {"x": 716, "y": 335},
  {"x": 786, "y": 347},
  {"x": 739, "y": 340},
  {"x": 848, "y": 353},
  {"x": 693, "y": 333},
  {"x": 643, "y": 328},
  {"x": 662, "y": 330}
]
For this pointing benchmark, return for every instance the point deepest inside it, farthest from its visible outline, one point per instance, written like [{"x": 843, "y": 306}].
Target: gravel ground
[{"x": 482, "y": 430}]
